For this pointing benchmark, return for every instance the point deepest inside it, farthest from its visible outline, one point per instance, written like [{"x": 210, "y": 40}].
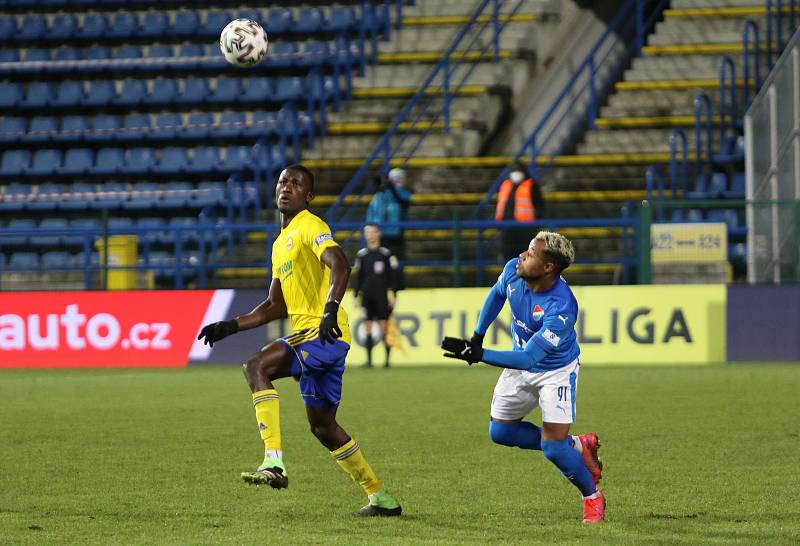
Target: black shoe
[
  {"x": 273, "y": 477},
  {"x": 372, "y": 511}
]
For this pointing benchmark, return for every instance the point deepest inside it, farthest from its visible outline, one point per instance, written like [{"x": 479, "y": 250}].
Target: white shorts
[{"x": 518, "y": 392}]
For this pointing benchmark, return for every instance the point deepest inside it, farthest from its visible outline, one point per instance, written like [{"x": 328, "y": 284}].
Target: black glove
[
  {"x": 217, "y": 330},
  {"x": 463, "y": 349},
  {"x": 477, "y": 340},
  {"x": 328, "y": 327}
]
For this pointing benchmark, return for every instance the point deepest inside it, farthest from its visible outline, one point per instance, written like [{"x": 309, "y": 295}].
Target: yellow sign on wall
[
  {"x": 689, "y": 243},
  {"x": 616, "y": 324}
]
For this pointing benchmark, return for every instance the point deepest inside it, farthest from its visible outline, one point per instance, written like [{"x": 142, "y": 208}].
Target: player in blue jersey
[{"x": 542, "y": 368}]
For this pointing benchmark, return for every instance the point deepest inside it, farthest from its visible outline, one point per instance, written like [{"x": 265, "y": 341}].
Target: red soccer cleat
[
  {"x": 594, "y": 510},
  {"x": 591, "y": 444}
]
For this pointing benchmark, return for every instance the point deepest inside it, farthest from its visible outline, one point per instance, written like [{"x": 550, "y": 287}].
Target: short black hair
[{"x": 303, "y": 169}]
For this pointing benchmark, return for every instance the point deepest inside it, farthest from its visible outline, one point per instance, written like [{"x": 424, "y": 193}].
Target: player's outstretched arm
[{"x": 492, "y": 306}]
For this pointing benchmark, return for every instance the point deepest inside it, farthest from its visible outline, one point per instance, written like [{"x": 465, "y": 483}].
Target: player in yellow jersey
[{"x": 309, "y": 279}]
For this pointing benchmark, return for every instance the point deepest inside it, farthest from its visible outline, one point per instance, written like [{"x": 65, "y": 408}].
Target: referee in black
[{"x": 376, "y": 271}]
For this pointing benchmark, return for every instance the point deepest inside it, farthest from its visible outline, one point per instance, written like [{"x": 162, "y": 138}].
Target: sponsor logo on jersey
[
  {"x": 322, "y": 238},
  {"x": 551, "y": 337},
  {"x": 289, "y": 243},
  {"x": 538, "y": 313}
]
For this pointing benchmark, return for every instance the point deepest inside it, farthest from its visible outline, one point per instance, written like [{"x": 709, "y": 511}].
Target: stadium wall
[{"x": 616, "y": 324}]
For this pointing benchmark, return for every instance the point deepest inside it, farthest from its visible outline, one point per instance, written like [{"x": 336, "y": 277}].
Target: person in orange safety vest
[{"x": 519, "y": 198}]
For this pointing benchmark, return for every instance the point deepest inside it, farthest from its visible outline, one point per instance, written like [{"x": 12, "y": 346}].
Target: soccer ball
[{"x": 243, "y": 42}]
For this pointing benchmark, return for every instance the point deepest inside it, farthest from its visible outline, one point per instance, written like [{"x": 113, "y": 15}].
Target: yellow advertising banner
[
  {"x": 616, "y": 324},
  {"x": 692, "y": 242}
]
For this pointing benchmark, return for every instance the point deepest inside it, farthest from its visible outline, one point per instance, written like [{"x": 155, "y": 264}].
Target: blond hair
[{"x": 558, "y": 247}]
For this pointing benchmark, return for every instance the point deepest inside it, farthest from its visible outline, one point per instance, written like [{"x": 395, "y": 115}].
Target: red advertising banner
[{"x": 101, "y": 329}]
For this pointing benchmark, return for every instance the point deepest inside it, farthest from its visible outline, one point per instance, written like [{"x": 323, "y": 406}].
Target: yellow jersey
[{"x": 305, "y": 280}]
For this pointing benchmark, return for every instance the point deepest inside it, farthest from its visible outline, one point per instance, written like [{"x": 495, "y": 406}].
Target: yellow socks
[
  {"x": 351, "y": 459},
  {"x": 267, "y": 407}
]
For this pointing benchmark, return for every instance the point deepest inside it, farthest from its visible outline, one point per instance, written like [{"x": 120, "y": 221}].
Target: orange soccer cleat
[
  {"x": 591, "y": 444},
  {"x": 594, "y": 510}
]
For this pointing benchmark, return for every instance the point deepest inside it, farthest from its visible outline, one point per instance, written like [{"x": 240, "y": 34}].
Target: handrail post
[
  {"x": 446, "y": 75},
  {"x": 678, "y": 134},
  {"x": 496, "y": 24},
  {"x": 645, "y": 221},
  {"x": 727, "y": 67},
  {"x": 592, "y": 94},
  {"x": 751, "y": 53},
  {"x": 702, "y": 108},
  {"x": 640, "y": 30}
]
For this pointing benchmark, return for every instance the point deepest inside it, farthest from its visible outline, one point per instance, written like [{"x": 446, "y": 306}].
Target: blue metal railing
[
  {"x": 589, "y": 83},
  {"x": 424, "y": 102}
]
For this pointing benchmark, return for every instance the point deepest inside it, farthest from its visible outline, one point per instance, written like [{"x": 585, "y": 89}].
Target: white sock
[
  {"x": 593, "y": 495},
  {"x": 273, "y": 454},
  {"x": 577, "y": 445}
]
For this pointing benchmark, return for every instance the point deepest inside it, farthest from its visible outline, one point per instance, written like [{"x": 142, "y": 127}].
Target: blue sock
[
  {"x": 523, "y": 434},
  {"x": 570, "y": 463}
]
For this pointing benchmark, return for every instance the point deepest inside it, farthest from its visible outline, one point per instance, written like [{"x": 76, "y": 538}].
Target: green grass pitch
[{"x": 693, "y": 455}]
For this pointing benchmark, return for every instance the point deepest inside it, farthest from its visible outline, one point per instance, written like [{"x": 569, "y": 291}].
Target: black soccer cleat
[
  {"x": 373, "y": 510},
  {"x": 273, "y": 477}
]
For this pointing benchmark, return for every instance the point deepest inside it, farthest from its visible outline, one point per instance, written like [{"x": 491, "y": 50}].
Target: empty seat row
[
  {"x": 161, "y": 262},
  {"x": 730, "y": 217},
  {"x": 185, "y": 23},
  {"x": 715, "y": 185},
  {"x": 166, "y": 91},
  {"x": 135, "y": 161},
  {"x": 114, "y": 195},
  {"x": 164, "y": 58},
  {"x": 73, "y": 129},
  {"x": 60, "y": 232}
]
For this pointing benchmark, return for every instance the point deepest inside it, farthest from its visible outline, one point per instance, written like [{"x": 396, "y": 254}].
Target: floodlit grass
[{"x": 693, "y": 455}]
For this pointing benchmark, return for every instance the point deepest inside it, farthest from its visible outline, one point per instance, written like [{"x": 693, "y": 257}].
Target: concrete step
[
  {"x": 631, "y": 141},
  {"x": 684, "y": 67},
  {"x": 702, "y": 30},
  {"x": 690, "y": 4},
  {"x": 457, "y": 143},
  {"x": 415, "y": 74},
  {"x": 430, "y": 8},
  {"x": 439, "y": 38}
]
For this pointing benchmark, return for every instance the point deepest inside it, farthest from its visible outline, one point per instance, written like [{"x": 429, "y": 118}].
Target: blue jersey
[{"x": 542, "y": 323}]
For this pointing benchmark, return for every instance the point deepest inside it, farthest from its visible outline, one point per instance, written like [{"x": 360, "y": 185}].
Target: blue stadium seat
[
  {"x": 279, "y": 21},
  {"x": 186, "y": 23},
  {"x": 215, "y": 22},
  {"x": 151, "y": 236},
  {"x": 11, "y": 94},
  {"x": 168, "y": 125},
  {"x": 15, "y": 198},
  {"x": 99, "y": 53},
  {"x": 77, "y": 238},
  {"x": 154, "y": 25},
  {"x": 56, "y": 259},
  {"x": 227, "y": 91},
  {"x": 104, "y": 126},
  {"x": 47, "y": 197},
  {"x": 39, "y": 95},
  {"x": 139, "y": 161},
  {"x": 198, "y": 127},
  {"x": 173, "y": 161},
  {"x": 8, "y": 28},
  {"x": 205, "y": 160},
  {"x": 109, "y": 161},
  {"x": 282, "y": 55},
  {"x": 232, "y": 125},
  {"x": 343, "y": 19},
  {"x": 124, "y": 25},
  {"x": 81, "y": 196},
  {"x": 209, "y": 194},
  {"x": 12, "y": 129},
  {"x": 252, "y": 14},
  {"x": 69, "y": 93},
  {"x": 707, "y": 187},
  {"x": 101, "y": 93},
  {"x": 694, "y": 215},
  {"x": 45, "y": 162},
  {"x": 160, "y": 51},
  {"x": 67, "y": 53},
  {"x": 314, "y": 54},
  {"x": 35, "y": 54},
  {"x": 165, "y": 91},
  {"x": 95, "y": 25},
  {"x": 9, "y": 55},
  {"x": 324, "y": 89},
  {"x": 259, "y": 90},
  {"x": 133, "y": 92},
  {"x": 188, "y": 235},
  {"x": 129, "y": 52},
  {"x": 15, "y": 162},
  {"x": 41, "y": 129},
  {"x": 77, "y": 161},
  {"x": 376, "y": 19},
  {"x": 195, "y": 91},
  {"x": 144, "y": 196},
  {"x": 50, "y": 239},
  {"x": 23, "y": 261},
  {"x": 33, "y": 27},
  {"x": 237, "y": 158},
  {"x": 264, "y": 124},
  {"x": 111, "y": 195},
  {"x": 137, "y": 125},
  {"x": 73, "y": 129},
  {"x": 730, "y": 218},
  {"x": 288, "y": 89},
  {"x": 309, "y": 21},
  {"x": 64, "y": 26},
  {"x": 120, "y": 224},
  {"x": 737, "y": 189},
  {"x": 176, "y": 196},
  {"x": 18, "y": 240}
]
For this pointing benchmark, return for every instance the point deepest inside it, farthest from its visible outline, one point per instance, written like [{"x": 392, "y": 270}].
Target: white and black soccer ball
[{"x": 243, "y": 42}]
